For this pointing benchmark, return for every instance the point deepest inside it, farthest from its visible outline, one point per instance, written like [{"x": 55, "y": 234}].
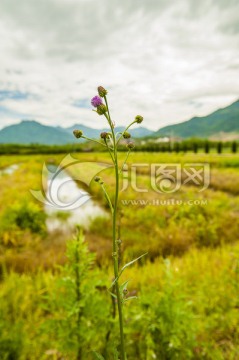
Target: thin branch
[
  {"x": 133, "y": 122},
  {"x": 98, "y": 142},
  {"x": 125, "y": 161},
  {"x": 108, "y": 199}
]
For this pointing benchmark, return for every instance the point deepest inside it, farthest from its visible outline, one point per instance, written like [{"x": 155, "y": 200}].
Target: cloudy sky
[{"x": 167, "y": 60}]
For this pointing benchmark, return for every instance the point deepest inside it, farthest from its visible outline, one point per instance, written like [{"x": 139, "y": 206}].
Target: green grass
[
  {"x": 187, "y": 306},
  {"x": 170, "y": 229}
]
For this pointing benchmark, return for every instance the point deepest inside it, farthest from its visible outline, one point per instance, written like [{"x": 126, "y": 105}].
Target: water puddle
[
  {"x": 65, "y": 190},
  {"x": 9, "y": 170}
]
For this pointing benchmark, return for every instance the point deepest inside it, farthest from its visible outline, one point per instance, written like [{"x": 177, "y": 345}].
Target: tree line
[{"x": 190, "y": 145}]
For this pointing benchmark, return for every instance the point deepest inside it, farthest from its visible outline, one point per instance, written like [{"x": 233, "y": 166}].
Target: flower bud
[
  {"x": 104, "y": 135},
  {"x": 78, "y": 133},
  {"x": 130, "y": 145},
  {"x": 101, "y": 91},
  {"x": 99, "y": 180},
  {"x": 96, "y": 101},
  {"x": 139, "y": 119},
  {"x": 101, "y": 109},
  {"x": 126, "y": 135}
]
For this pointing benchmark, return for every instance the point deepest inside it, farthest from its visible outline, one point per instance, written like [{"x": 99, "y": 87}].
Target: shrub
[{"x": 19, "y": 218}]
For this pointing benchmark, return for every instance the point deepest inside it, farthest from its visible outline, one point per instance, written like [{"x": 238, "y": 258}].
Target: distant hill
[
  {"x": 32, "y": 132},
  {"x": 136, "y": 132},
  {"x": 214, "y": 125},
  {"x": 221, "y": 124}
]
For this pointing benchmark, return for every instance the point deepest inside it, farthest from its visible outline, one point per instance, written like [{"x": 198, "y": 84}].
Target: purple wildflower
[{"x": 96, "y": 101}]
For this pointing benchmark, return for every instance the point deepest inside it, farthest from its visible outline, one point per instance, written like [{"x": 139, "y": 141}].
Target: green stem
[
  {"x": 98, "y": 142},
  {"x": 124, "y": 162},
  {"x": 110, "y": 151},
  {"x": 115, "y": 245},
  {"x": 133, "y": 122},
  {"x": 108, "y": 199}
]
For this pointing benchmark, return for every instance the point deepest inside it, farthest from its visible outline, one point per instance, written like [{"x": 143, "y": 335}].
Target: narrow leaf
[
  {"x": 130, "y": 298},
  {"x": 116, "y": 354},
  {"x": 132, "y": 262},
  {"x": 98, "y": 356},
  {"x": 113, "y": 283},
  {"x": 114, "y": 296},
  {"x": 124, "y": 267},
  {"x": 123, "y": 286}
]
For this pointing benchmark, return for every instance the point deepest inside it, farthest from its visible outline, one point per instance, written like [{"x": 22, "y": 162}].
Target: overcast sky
[{"x": 166, "y": 60}]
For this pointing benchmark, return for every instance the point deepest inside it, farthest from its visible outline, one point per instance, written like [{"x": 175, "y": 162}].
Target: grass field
[{"x": 187, "y": 285}]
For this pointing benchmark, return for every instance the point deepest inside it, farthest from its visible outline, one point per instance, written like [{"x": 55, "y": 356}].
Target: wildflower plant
[
  {"x": 111, "y": 140},
  {"x": 74, "y": 305}
]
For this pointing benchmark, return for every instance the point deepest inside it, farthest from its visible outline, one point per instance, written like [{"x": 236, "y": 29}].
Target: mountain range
[
  {"x": 221, "y": 124},
  {"x": 32, "y": 132},
  {"x": 216, "y": 125}
]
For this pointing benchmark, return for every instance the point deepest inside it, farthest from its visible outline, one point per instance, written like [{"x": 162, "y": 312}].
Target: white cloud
[{"x": 165, "y": 60}]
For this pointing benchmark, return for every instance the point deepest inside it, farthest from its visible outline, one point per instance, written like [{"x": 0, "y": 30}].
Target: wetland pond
[{"x": 74, "y": 206}]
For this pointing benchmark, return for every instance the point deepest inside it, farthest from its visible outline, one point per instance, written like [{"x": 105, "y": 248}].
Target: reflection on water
[
  {"x": 9, "y": 170},
  {"x": 64, "y": 188}
]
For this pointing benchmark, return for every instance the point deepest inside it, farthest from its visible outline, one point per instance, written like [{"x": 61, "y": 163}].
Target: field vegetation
[{"x": 187, "y": 286}]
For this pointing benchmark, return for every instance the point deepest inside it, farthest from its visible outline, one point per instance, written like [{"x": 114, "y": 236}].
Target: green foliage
[
  {"x": 190, "y": 303},
  {"x": 76, "y": 309},
  {"x": 40, "y": 149},
  {"x": 164, "y": 321},
  {"x": 10, "y": 341},
  {"x": 172, "y": 322},
  {"x": 98, "y": 356},
  {"x": 187, "y": 145},
  {"x": 219, "y": 147},
  {"x": 195, "y": 147},
  {"x": 234, "y": 147},
  {"x": 18, "y": 218},
  {"x": 21, "y": 315},
  {"x": 207, "y": 147}
]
